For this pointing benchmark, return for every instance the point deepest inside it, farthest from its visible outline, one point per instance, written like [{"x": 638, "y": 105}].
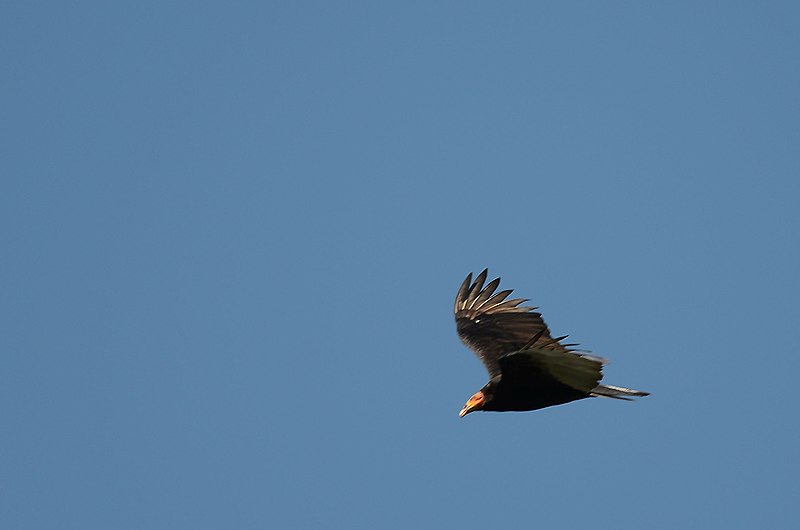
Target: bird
[{"x": 528, "y": 368}]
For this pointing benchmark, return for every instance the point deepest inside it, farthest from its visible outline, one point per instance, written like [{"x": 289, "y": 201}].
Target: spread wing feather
[
  {"x": 580, "y": 372},
  {"x": 492, "y": 326}
]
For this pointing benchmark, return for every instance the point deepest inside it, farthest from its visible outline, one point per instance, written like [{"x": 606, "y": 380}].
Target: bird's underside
[{"x": 528, "y": 368}]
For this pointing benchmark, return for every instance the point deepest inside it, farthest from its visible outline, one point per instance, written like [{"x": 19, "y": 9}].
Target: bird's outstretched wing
[
  {"x": 543, "y": 376},
  {"x": 492, "y": 326},
  {"x": 570, "y": 369}
]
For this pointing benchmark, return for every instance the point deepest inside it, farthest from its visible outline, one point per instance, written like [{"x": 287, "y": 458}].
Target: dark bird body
[{"x": 528, "y": 369}]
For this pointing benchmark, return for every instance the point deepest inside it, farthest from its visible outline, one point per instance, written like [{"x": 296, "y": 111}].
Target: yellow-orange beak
[{"x": 474, "y": 403}]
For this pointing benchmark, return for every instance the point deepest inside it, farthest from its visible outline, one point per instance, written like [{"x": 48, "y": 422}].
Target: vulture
[{"x": 528, "y": 368}]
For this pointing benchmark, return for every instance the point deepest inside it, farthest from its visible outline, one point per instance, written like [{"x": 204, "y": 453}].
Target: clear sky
[{"x": 232, "y": 234}]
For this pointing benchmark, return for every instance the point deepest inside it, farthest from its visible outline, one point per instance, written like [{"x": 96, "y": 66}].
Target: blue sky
[{"x": 232, "y": 234}]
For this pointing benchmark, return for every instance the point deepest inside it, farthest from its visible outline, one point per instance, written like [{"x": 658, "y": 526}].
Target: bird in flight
[{"x": 528, "y": 369}]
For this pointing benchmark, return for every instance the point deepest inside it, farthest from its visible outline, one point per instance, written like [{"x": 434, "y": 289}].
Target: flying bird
[{"x": 528, "y": 369}]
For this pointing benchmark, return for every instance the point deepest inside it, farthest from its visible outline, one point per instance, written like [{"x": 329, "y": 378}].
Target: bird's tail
[{"x": 617, "y": 392}]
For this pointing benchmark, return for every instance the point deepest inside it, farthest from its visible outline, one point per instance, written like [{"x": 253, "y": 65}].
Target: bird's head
[{"x": 476, "y": 402}]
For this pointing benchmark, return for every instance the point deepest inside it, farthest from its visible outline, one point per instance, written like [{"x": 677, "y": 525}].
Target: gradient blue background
[{"x": 232, "y": 233}]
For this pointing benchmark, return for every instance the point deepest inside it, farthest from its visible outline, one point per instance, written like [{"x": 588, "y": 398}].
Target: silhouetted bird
[{"x": 528, "y": 369}]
